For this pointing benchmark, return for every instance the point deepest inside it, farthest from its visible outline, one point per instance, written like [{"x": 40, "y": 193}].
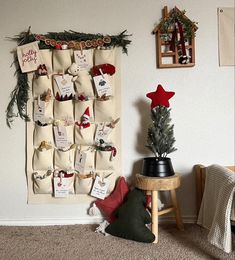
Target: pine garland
[
  {"x": 160, "y": 134},
  {"x": 19, "y": 96},
  {"x": 167, "y": 24}
]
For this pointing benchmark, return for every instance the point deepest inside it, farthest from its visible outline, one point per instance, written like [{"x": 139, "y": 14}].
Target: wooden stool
[{"x": 155, "y": 184}]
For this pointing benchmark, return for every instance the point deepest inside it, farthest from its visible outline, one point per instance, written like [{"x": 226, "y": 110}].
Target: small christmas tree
[{"x": 160, "y": 134}]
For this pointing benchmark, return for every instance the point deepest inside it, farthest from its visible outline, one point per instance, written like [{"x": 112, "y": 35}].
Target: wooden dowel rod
[{"x": 165, "y": 211}]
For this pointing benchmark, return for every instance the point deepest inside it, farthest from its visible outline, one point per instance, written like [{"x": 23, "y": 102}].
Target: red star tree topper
[
  {"x": 160, "y": 138},
  {"x": 160, "y": 97}
]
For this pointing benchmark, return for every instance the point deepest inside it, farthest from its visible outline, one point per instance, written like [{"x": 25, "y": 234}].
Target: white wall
[{"x": 202, "y": 109}]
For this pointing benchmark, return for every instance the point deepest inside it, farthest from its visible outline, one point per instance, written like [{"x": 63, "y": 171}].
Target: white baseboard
[
  {"x": 49, "y": 221},
  {"x": 74, "y": 221}
]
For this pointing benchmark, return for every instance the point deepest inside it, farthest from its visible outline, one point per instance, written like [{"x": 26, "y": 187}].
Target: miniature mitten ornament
[
  {"x": 132, "y": 218},
  {"x": 104, "y": 68},
  {"x": 85, "y": 119},
  {"x": 160, "y": 97}
]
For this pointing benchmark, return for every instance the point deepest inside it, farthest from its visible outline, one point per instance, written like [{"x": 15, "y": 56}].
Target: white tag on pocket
[
  {"x": 39, "y": 110},
  {"x": 61, "y": 187},
  {"x": 65, "y": 84},
  {"x": 100, "y": 187},
  {"x": 80, "y": 161},
  {"x": 102, "y": 132},
  {"x": 61, "y": 138},
  {"x": 102, "y": 85},
  {"x": 83, "y": 59}
]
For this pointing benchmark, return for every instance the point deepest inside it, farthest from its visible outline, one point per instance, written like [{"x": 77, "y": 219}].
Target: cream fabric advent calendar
[{"x": 81, "y": 154}]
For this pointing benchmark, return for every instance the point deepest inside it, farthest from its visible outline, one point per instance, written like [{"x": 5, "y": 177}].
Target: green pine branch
[
  {"x": 17, "y": 105},
  {"x": 160, "y": 138}
]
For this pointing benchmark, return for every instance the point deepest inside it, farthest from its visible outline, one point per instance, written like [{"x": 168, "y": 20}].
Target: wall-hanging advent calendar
[{"x": 73, "y": 99}]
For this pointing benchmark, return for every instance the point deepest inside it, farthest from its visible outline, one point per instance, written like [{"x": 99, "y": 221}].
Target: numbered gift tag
[
  {"x": 80, "y": 161},
  {"x": 83, "y": 59},
  {"x": 102, "y": 85},
  {"x": 102, "y": 132},
  {"x": 39, "y": 110},
  {"x": 100, "y": 187},
  {"x": 61, "y": 138},
  {"x": 65, "y": 84},
  {"x": 61, "y": 187}
]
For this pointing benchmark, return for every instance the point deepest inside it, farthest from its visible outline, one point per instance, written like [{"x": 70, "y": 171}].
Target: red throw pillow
[{"x": 110, "y": 204}]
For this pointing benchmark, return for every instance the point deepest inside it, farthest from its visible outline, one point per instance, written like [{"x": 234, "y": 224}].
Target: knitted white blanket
[{"x": 216, "y": 206}]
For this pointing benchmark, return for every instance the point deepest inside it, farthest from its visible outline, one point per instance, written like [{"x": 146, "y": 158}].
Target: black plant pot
[{"x": 154, "y": 167}]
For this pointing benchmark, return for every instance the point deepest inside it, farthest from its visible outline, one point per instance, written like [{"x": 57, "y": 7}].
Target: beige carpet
[{"x": 80, "y": 242}]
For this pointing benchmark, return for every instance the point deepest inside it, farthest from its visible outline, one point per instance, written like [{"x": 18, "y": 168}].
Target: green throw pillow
[{"x": 132, "y": 218}]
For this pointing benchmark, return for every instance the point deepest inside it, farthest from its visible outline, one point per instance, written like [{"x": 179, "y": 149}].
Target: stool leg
[
  {"x": 177, "y": 210},
  {"x": 154, "y": 206}
]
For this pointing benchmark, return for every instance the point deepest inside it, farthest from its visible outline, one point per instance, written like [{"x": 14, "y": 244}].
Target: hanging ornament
[{"x": 183, "y": 58}]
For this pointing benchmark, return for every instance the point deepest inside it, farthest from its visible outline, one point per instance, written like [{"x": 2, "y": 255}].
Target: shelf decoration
[
  {"x": 175, "y": 40},
  {"x": 69, "y": 93},
  {"x": 54, "y": 40}
]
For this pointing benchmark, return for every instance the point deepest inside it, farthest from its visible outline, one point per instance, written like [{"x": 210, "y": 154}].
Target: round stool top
[{"x": 157, "y": 183}]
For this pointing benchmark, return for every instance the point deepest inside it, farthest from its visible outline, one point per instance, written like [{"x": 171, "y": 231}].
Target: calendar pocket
[
  {"x": 62, "y": 59},
  {"x": 43, "y": 133},
  {"x": 83, "y": 183},
  {"x": 64, "y": 159},
  {"x": 43, "y": 160},
  {"x": 104, "y": 56},
  {"x": 43, "y": 112},
  {"x": 104, "y": 160},
  {"x": 85, "y": 159},
  {"x": 47, "y": 59},
  {"x": 63, "y": 184},
  {"x": 41, "y": 84},
  {"x": 48, "y": 117},
  {"x": 70, "y": 134},
  {"x": 81, "y": 106},
  {"x": 84, "y": 136},
  {"x": 83, "y": 84},
  {"x": 104, "y": 110},
  {"x": 71, "y": 184},
  {"x": 62, "y": 85},
  {"x": 42, "y": 182},
  {"x": 63, "y": 110}
]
